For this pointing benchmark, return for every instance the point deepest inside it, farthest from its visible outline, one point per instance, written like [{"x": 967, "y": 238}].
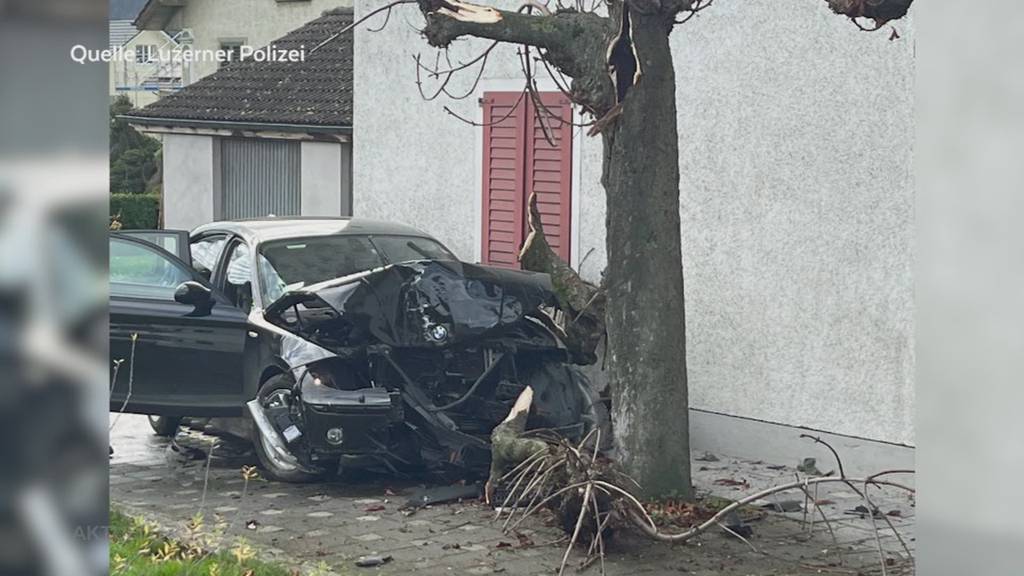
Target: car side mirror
[{"x": 195, "y": 294}]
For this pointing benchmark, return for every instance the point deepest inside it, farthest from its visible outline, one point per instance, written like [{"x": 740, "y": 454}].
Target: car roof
[{"x": 258, "y": 230}]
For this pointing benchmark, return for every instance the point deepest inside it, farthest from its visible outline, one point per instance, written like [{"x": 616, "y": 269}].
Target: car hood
[{"x": 425, "y": 303}]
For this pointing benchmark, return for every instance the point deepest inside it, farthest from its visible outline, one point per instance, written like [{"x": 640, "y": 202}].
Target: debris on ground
[
  {"x": 809, "y": 466},
  {"x": 440, "y": 494},
  {"x": 784, "y": 506},
  {"x": 373, "y": 560},
  {"x": 735, "y": 524},
  {"x": 863, "y": 512},
  {"x": 741, "y": 483}
]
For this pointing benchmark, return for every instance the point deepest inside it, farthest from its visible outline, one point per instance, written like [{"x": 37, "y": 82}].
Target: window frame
[
  {"x": 220, "y": 255},
  {"x": 224, "y": 260},
  {"x": 145, "y": 53},
  {"x": 158, "y": 251}
]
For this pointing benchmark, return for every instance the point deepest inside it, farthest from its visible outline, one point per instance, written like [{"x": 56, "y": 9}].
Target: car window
[
  {"x": 205, "y": 253},
  {"x": 141, "y": 272},
  {"x": 310, "y": 260},
  {"x": 174, "y": 241},
  {"x": 238, "y": 277},
  {"x": 406, "y": 248}
]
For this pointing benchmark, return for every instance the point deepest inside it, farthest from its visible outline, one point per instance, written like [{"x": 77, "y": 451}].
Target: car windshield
[{"x": 306, "y": 261}]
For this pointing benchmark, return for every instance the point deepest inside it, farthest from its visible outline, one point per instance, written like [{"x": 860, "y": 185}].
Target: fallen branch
[
  {"x": 584, "y": 490},
  {"x": 583, "y": 302},
  {"x": 804, "y": 483}
]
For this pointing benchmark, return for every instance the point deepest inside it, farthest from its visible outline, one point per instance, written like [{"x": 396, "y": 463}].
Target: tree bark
[{"x": 644, "y": 278}]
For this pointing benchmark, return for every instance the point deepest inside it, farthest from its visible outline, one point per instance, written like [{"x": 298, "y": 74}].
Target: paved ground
[{"x": 330, "y": 525}]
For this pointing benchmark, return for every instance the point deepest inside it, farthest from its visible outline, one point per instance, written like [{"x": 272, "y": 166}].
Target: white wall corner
[{"x": 321, "y": 189}]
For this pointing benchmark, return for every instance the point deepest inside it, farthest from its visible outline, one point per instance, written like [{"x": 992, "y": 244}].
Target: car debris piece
[
  {"x": 863, "y": 512},
  {"x": 809, "y": 466},
  {"x": 784, "y": 506},
  {"x": 733, "y": 523},
  {"x": 373, "y": 560},
  {"x": 441, "y": 494}
]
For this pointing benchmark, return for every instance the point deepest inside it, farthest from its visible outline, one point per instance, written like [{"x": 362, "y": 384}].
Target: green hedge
[{"x": 135, "y": 210}]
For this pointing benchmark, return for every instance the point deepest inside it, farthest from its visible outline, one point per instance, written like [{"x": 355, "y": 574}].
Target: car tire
[
  {"x": 272, "y": 470},
  {"x": 166, "y": 426}
]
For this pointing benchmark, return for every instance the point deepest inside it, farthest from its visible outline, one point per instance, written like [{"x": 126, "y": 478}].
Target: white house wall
[
  {"x": 797, "y": 201},
  {"x": 324, "y": 172},
  {"x": 190, "y": 175}
]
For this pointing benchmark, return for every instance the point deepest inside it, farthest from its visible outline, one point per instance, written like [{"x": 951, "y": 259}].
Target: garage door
[{"x": 260, "y": 177}]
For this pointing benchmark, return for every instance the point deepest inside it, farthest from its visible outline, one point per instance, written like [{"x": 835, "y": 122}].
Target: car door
[
  {"x": 167, "y": 357},
  {"x": 174, "y": 241}
]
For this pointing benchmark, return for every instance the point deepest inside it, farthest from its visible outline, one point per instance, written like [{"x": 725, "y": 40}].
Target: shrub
[{"x": 135, "y": 210}]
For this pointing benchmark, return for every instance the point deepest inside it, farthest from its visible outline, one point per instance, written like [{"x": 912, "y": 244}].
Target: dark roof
[
  {"x": 315, "y": 92},
  {"x": 270, "y": 228},
  {"x": 125, "y": 9}
]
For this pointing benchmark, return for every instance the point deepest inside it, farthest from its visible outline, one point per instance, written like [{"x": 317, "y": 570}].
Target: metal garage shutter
[{"x": 260, "y": 177}]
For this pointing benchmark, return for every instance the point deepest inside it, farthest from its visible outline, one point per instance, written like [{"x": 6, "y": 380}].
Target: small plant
[{"x": 137, "y": 549}]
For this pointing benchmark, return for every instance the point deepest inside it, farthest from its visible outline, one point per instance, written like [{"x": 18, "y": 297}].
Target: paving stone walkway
[{"x": 330, "y": 525}]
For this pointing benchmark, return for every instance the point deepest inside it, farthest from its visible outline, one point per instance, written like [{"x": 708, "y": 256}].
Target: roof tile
[{"x": 316, "y": 91}]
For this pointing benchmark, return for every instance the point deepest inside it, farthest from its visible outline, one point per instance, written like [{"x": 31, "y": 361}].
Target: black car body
[{"x": 347, "y": 342}]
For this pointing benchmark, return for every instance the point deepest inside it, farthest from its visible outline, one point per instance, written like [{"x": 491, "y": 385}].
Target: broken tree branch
[
  {"x": 804, "y": 483},
  {"x": 508, "y": 447},
  {"x": 583, "y": 303},
  {"x": 573, "y": 42},
  {"x": 881, "y": 11}
]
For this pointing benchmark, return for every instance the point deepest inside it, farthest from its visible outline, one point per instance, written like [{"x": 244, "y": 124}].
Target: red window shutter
[
  {"x": 549, "y": 167},
  {"x": 504, "y": 150},
  {"x": 519, "y": 160}
]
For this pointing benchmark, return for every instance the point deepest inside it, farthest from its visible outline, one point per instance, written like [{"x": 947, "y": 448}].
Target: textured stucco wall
[
  {"x": 797, "y": 201},
  {"x": 189, "y": 180}
]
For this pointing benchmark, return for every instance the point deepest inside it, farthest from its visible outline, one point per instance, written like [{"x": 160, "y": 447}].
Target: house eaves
[
  {"x": 157, "y": 14},
  {"x": 240, "y": 129}
]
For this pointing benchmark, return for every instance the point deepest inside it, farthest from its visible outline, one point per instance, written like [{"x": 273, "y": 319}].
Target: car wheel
[
  {"x": 165, "y": 425},
  {"x": 278, "y": 389}
]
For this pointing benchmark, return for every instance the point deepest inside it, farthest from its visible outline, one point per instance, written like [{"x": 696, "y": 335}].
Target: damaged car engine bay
[{"x": 410, "y": 366}]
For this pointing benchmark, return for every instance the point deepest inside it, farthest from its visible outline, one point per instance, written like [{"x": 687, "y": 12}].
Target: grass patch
[{"x": 136, "y": 549}]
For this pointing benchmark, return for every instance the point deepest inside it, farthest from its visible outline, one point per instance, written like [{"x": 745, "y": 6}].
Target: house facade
[
  {"x": 140, "y": 74},
  {"x": 260, "y": 138},
  {"x": 228, "y": 24},
  {"x": 795, "y": 134}
]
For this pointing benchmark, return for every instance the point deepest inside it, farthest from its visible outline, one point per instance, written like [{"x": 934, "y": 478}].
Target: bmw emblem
[{"x": 439, "y": 333}]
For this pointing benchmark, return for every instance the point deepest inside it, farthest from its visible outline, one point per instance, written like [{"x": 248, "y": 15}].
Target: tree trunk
[{"x": 644, "y": 278}]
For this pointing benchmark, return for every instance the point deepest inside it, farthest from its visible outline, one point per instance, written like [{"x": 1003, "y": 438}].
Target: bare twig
[
  {"x": 385, "y": 8},
  {"x": 652, "y": 531}
]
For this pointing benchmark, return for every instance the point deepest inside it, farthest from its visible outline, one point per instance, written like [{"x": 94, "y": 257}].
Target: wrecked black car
[{"x": 346, "y": 342}]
